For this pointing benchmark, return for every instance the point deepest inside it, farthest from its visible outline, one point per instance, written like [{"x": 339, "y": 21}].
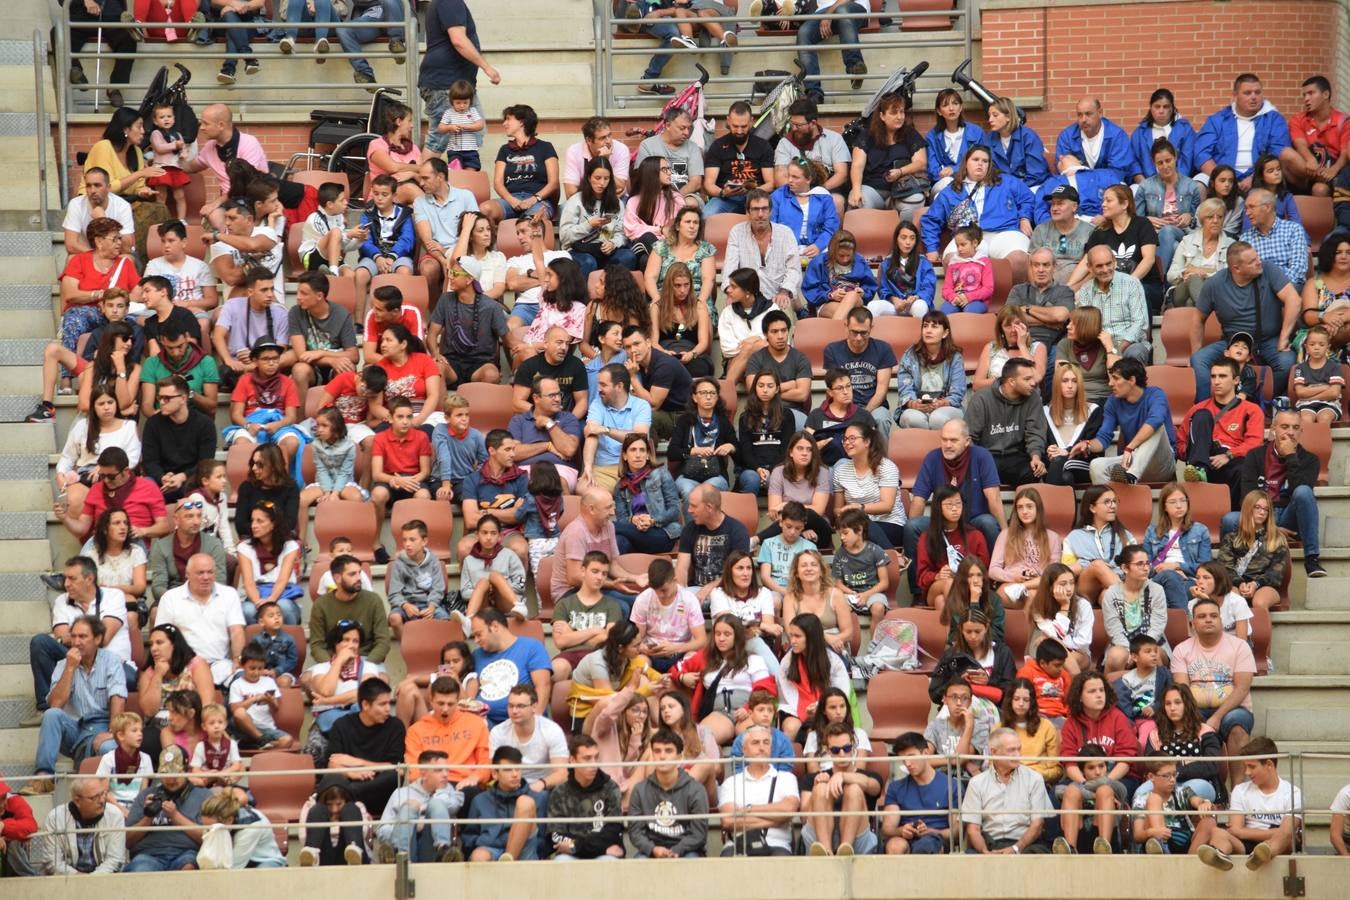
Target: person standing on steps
[{"x": 453, "y": 53}]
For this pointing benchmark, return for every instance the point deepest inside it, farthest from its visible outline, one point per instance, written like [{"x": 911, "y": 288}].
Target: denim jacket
[
  {"x": 1194, "y": 545},
  {"x": 911, "y": 373},
  {"x": 1152, "y": 191},
  {"x": 663, "y": 502}
]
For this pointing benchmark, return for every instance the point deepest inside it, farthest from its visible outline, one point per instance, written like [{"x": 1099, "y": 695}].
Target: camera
[{"x": 154, "y": 804}]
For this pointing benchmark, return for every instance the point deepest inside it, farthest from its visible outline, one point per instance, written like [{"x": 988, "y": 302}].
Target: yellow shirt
[
  {"x": 1045, "y": 742},
  {"x": 104, "y": 156}
]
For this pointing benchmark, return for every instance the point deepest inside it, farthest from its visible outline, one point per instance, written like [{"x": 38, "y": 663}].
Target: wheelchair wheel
[{"x": 349, "y": 157}]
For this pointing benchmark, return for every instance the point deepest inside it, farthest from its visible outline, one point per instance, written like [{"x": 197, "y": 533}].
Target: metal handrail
[
  {"x": 607, "y": 48},
  {"x": 40, "y": 124}
]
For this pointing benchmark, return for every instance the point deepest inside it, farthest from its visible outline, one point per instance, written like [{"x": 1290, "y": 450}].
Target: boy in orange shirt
[
  {"x": 461, "y": 734},
  {"x": 1051, "y": 681}
]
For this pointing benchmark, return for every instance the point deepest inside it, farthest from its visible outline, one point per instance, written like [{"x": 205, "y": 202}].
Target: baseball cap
[
  {"x": 172, "y": 761},
  {"x": 1063, "y": 192},
  {"x": 266, "y": 343}
]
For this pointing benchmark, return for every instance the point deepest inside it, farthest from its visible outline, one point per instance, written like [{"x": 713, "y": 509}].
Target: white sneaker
[
  {"x": 309, "y": 856},
  {"x": 321, "y": 48},
  {"x": 286, "y": 45},
  {"x": 688, "y": 43},
  {"x": 353, "y": 855}
]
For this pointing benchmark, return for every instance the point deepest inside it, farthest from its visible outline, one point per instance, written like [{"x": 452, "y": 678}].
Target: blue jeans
[
  {"x": 917, "y": 525},
  {"x": 1168, "y": 238},
  {"x": 632, "y": 540},
  {"x": 44, "y": 652},
  {"x": 166, "y": 860},
  {"x": 808, "y": 35},
  {"x": 352, "y": 38},
  {"x": 237, "y": 39},
  {"x": 323, "y": 12},
  {"x": 663, "y": 31},
  {"x": 420, "y": 844},
  {"x": 510, "y": 212},
  {"x": 864, "y": 842},
  {"x": 1234, "y": 718},
  {"x": 290, "y": 611},
  {"x": 1300, "y": 514},
  {"x": 927, "y": 844},
  {"x": 1176, "y": 586},
  {"x": 588, "y": 263},
  {"x": 1280, "y": 362},
  {"x": 63, "y": 733},
  {"x": 749, "y": 482},
  {"x": 686, "y": 486},
  {"x": 717, "y": 205}
]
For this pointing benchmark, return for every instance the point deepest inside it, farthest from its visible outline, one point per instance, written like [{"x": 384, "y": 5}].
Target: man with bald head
[
  {"x": 170, "y": 554},
  {"x": 208, "y": 614},
  {"x": 219, "y": 144},
  {"x": 709, "y": 535},
  {"x": 1248, "y": 297},
  {"x": 1279, "y": 242},
  {"x": 559, "y": 363},
  {"x": 593, "y": 530},
  {"x": 1093, "y": 142},
  {"x": 1120, "y": 297},
  {"x": 1045, "y": 303}
]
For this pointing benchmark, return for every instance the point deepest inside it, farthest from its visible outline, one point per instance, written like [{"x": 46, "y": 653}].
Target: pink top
[
  {"x": 975, "y": 276},
  {"x": 635, "y": 228},
  {"x": 250, "y": 151},
  {"x": 998, "y": 569},
  {"x": 573, "y": 322},
  {"x": 412, "y": 156}
]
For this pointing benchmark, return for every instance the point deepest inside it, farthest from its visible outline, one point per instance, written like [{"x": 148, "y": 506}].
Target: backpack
[{"x": 894, "y": 647}]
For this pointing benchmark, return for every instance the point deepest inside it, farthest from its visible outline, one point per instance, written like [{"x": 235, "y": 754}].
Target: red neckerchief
[
  {"x": 955, "y": 469},
  {"x": 268, "y": 393},
  {"x": 1087, "y": 353},
  {"x": 117, "y": 499},
  {"x": 503, "y": 479},
  {"x": 550, "y": 511},
  {"x": 1275, "y": 471},
  {"x": 479, "y": 553},
  {"x": 632, "y": 482},
  {"x": 193, "y": 356}
]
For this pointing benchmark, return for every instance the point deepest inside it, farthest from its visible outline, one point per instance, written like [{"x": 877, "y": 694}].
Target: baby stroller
[
  {"x": 772, "y": 120},
  {"x": 901, "y": 82},
  {"x": 691, "y": 101},
  {"x": 349, "y": 134},
  {"x": 963, "y": 79},
  {"x": 161, "y": 93}
]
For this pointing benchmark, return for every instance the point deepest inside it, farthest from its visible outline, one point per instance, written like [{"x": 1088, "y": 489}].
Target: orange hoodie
[
  {"x": 464, "y": 739},
  {"x": 1051, "y": 693}
]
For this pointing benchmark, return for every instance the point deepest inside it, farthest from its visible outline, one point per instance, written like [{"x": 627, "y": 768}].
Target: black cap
[
  {"x": 266, "y": 343},
  {"x": 1063, "y": 192}
]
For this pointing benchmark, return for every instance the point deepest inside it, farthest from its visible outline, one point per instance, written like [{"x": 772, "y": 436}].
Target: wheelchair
[{"x": 349, "y": 134}]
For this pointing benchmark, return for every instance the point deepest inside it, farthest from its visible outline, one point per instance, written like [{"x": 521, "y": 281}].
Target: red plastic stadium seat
[
  {"x": 872, "y": 229},
  {"x": 1059, "y": 504},
  {"x": 813, "y": 335},
  {"x": 911, "y": 21},
  {"x": 297, "y": 633},
  {"x": 489, "y": 404},
  {"x": 423, "y": 640},
  {"x": 717, "y": 231},
  {"x": 906, "y": 447},
  {"x": 971, "y": 331},
  {"x": 1178, "y": 383},
  {"x": 897, "y": 702}
]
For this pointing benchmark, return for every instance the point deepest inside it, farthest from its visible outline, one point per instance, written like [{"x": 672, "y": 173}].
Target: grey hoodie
[
  {"x": 1003, "y": 427},
  {"x": 680, "y": 836},
  {"x": 417, "y": 583}
]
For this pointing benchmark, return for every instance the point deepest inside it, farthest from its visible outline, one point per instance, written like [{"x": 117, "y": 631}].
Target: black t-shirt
[
  {"x": 1127, "y": 245},
  {"x": 708, "y": 548},
  {"x": 442, "y": 64},
  {"x": 138, "y": 339},
  {"x": 525, "y": 172},
  {"x": 382, "y": 743},
  {"x": 665, "y": 371},
  {"x": 571, "y": 376},
  {"x": 880, "y": 160},
  {"x": 732, "y": 163},
  {"x": 180, "y": 319}
]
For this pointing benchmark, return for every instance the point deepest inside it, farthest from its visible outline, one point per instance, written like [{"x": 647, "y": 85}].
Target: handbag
[
  {"x": 708, "y": 700},
  {"x": 754, "y": 841}
]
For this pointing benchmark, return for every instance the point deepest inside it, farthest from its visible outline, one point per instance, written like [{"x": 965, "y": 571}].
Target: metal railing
[
  {"x": 607, "y": 47},
  {"x": 40, "y": 126}
]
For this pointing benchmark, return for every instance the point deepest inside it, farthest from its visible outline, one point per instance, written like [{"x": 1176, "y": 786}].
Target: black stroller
[
  {"x": 161, "y": 93},
  {"x": 901, "y": 82}
]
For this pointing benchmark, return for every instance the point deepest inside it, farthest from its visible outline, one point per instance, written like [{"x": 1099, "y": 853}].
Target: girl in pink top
[
  {"x": 968, "y": 285},
  {"x": 396, "y": 153},
  {"x": 652, "y": 206}
]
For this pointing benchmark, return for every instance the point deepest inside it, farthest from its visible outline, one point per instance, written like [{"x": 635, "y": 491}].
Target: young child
[
  {"x": 1046, "y": 673},
  {"x": 1139, "y": 690},
  {"x": 968, "y": 284},
  {"x": 464, "y": 124},
  {"x": 1260, "y": 816},
  {"x": 339, "y": 546},
  {"x": 416, "y": 581},
  {"x": 400, "y": 460},
  {"x": 325, "y": 239},
  {"x": 254, "y": 700},
  {"x": 216, "y": 753},
  {"x": 925, "y": 787},
  {"x": 764, "y": 713},
  {"x": 777, "y": 553},
  {"x": 265, "y": 404},
  {"x": 389, "y": 241},
  {"x": 956, "y": 728},
  {"x": 1213, "y": 581},
  {"x": 1240, "y": 349},
  {"x": 860, "y": 566},
  {"x": 280, "y": 654},
  {"x": 170, "y": 151},
  {"x": 459, "y": 448},
  {"x": 1162, "y": 833},
  {"x": 1095, "y": 791},
  {"x": 492, "y": 574},
  {"x": 125, "y": 765},
  {"x": 334, "y": 467},
  {"x": 185, "y": 721},
  {"x": 1318, "y": 382},
  {"x": 359, "y": 397},
  {"x": 542, "y": 524},
  {"x": 194, "y": 284}
]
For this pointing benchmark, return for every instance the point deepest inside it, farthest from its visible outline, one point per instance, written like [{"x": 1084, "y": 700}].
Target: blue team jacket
[
  {"x": 1025, "y": 157},
  {"x": 937, "y": 148},
  {"x": 1116, "y": 153},
  {"x": 1005, "y": 204},
  {"x": 1182, "y": 137},
  {"x": 1217, "y": 140}
]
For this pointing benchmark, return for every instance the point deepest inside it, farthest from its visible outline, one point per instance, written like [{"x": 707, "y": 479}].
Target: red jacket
[
  {"x": 1241, "y": 429},
  {"x": 970, "y": 542},
  {"x": 16, "y": 816},
  {"x": 1050, "y": 692},
  {"x": 1111, "y": 731},
  {"x": 696, "y": 662}
]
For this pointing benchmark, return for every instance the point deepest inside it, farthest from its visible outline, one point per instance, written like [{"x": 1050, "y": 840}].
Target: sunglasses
[
  {"x": 109, "y": 476},
  {"x": 841, "y": 750},
  {"x": 192, "y": 504},
  {"x": 344, "y": 624}
]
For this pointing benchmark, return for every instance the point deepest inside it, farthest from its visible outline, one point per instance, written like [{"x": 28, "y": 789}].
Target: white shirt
[
  {"x": 1264, "y": 810},
  {"x": 260, "y": 713},
  {"x": 364, "y": 670},
  {"x": 1246, "y": 137},
  {"x": 78, "y": 217},
  {"x": 741, "y": 679},
  {"x": 124, "y": 787},
  {"x": 188, "y": 279},
  {"x": 547, "y": 742},
  {"x": 743, "y": 789},
  {"x": 523, "y": 264},
  {"x": 198, "y": 760},
  {"x": 205, "y": 626},
  {"x": 270, "y": 260},
  {"x": 750, "y": 611},
  {"x": 110, "y": 604},
  {"x": 1092, "y": 148},
  {"x": 247, "y": 552}
]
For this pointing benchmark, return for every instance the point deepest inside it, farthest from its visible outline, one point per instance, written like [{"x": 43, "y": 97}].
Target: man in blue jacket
[
  {"x": 1239, "y": 134},
  {"x": 1094, "y": 142},
  {"x": 1147, "y": 439}
]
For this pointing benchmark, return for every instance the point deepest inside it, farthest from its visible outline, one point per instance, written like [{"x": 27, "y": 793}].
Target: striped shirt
[
  {"x": 1285, "y": 246},
  {"x": 867, "y": 488},
  {"x": 1124, "y": 309}
]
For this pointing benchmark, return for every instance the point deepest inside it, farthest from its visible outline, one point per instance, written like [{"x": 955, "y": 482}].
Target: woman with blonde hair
[
  {"x": 812, "y": 590},
  {"x": 1023, "y": 550},
  {"x": 680, "y": 325},
  {"x": 1256, "y": 553},
  {"x": 1199, "y": 254},
  {"x": 1070, "y": 417}
]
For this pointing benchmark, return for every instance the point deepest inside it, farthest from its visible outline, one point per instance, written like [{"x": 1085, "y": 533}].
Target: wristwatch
[{"x": 549, "y": 424}]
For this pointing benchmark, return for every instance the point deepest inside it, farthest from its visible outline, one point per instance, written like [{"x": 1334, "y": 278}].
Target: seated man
[
  {"x": 322, "y": 334},
  {"x": 369, "y": 737},
  {"x": 176, "y": 440},
  {"x": 591, "y": 531},
  {"x": 1288, "y": 473},
  {"x": 501, "y": 488},
  {"x": 707, "y": 538},
  {"x": 559, "y": 363},
  {"x": 588, "y": 791},
  {"x": 208, "y": 614},
  {"x": 181, "y": 356},
  {"x": 768, "y": 248},
  {"x": 597, "y": 139},
  {"x": 817, "y": 31},
  {"x": 790, "y": 365},
  {"x": 515, "y": 660},
  {"x": 658, "y": 378},
  {"x": 1120, "y": 297},
  {"x": 541, "y": 741},
  {"x": 63, "y": 852},
  {"x": 758, "y": 798},
  {"x": 89, "y": 687},
  {"x": 1263, "y": 810},
  {"x": 506, "y": 798},
  {"x": 245, "y": 245},
  {"x": 1063, "y": 234},
  {"x": 1317, "y": 136},
  {"x": 924, "y": 787},
  {"x": 1240, "y": 133},
  {"x": 436, "y": 215},
  {"x": 1270, "y": 319},
  {"x": 1219, "y": 668},
  {"x": 547, "y": 432},
  {"x": 807, "y": 138},
  {"x": 97, "y": 202},
  {"x": 386, "y": 308},
  {"x": 1280, "y": 243},
  {"x": 1093, "y": 142},
  {"x": 186, "y": 541},
  {"x": 173, "y": 800},
  {"x": 244, "y": 320},
  {"x": 466, "y": 331},
  {"x": 422, "y": 797},
  {"x": 870, "y": 364},
  {"x": 844, "y": 788},
  {"x": 1141, "y": 414},
  {"x": 118, "y": 485},
  {"x": 1044, "y": 301},
  {"x": 737, "y": 162},
  {"x": 668, "y": 789},
  {"x": 617, "y": 415},
  {"x": 1009, "y": 785},
  {"x": 672, "y": 143},
  {"x": 1006, "y": 419},
  {"x": 373, "y": 14},
  {"x": 1217, "y": 433}
]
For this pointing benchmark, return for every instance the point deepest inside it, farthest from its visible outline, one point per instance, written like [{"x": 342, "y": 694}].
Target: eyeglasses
[
  {"x": 192, "y": 504},
  {"x": 256, "y": 464},
  {"x": 841, "y": 750},
  {"x": 853, "y": 332},
  {"x": 164, "y": 398},
  {"x": 555, "y": 395},
  {"x": 457, "y": 273},
  {"x": 705, "y": 393}
]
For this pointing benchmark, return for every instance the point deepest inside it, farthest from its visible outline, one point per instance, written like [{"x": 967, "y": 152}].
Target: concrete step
[
  {"x": 15, "y": 407},
  {"x": 20, "y": 555},
  {"x": 28, "y": 323},
  {"x": 18, "y": 743},
  {"x": 16, "y": 681},
  {"x": 26, "y": 496},
  {"x": 1302, "y": 707},
  {"x": 14, "y": 709},
  {"x": 1317, "y": 658},
  {"x": 26, "y": 618},
  {"x": 1331, "y": 593},
  {"x": 1308, "y": 627},
  {"x": 21, "y": 438}
]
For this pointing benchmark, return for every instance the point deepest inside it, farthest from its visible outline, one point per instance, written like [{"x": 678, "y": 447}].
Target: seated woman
[
  {"x": 268, "y": 480},
  {"x": 646, "y": 501},
  {"x": 1133, "y": 606},
  {"x": 1169, "y": 200},
  {"x": 1091, "y": 349},
  {"x": 170, "y": 666},
  {"x": 1023, "y": 550},
  {"x": 802, "y": 477},
  {"x": 563, "y": 303},
  {"x": 1203, "y": 252},
  {"x": 77, "y": 469},
  {"x": 332, "y": 684},
  {"x": 838, "y": 280},
  {"x": 88, "y": 276},
  {"x": 651, "y": 207},
  {"x": 1094, "y": 723},
  {"x": 950, "y": 139},
  {"x": 682, "y": 326},
  {"x": 1017, "y": 149},
  {"x": 932, "y": 377},
  {"x": 808, "y": 670},
  {"x": 269, "y": 565},
  {"x": 812, "y": 590},
  {"x": 413, "y": 699},
  {"x": 703, "y": 441},
  {"x": 620, "y": 300},
  {"x": 890, "y": 162},
  {"x": 1038, "y": 735},
  {"x": 121, "y": 562},
  {"x": 972, "y": 589},
  {"x": 1059, "y": 613},
  {"x": 1256, "y": 553},
  {"x": 949, "y": 539},
  {"x": 765, "y": 429},
  {"x": 621, "y": 724},
  {"x": 119, "y": 154},
  {"x": 1000, "y": 204},
  {"x": 675, "y": 712},
  {"x": 906, "y": 283},
  {"x": 975, "y": 658},
  {"x": 1069, "y": 418},
  {"x": 395, "y": 153},
  {"x": 1326, "y": 296},
  {"x": 867, "y": 480},
  {"x": 591, "y": 227},
  {"x": 1090, "y": 550},
  {"x": 721, "y": 677},
  {"x": 1162, "y": 121},
  {"x": 805, "y": 206},
  {"x": 1176, "y": 545},
  {"x": 616, "y": 665},
  {"x": 739, "y": 593},
  {"x": 1012, "y": 338},
  {"x": 683, "y": 243}
]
